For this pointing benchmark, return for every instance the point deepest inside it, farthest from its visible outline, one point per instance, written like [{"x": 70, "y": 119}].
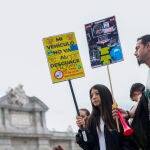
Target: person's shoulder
[{"x": 143, "y": 100}]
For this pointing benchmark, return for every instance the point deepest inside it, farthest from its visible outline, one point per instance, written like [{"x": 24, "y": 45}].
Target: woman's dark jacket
[{"x": 114, "y": 141}]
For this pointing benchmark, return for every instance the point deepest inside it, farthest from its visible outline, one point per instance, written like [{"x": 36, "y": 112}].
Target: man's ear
[{"x": 148, "y": 45}]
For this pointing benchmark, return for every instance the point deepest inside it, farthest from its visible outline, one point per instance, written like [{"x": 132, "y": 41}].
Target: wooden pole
[{"x": 112, "y": 96}]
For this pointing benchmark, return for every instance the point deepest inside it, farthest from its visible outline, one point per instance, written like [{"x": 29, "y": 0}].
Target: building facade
[{"x": 23, "y": 124}]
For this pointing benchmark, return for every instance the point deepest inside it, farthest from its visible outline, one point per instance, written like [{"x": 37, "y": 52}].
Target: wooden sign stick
[{"x": 112, "y": 96}]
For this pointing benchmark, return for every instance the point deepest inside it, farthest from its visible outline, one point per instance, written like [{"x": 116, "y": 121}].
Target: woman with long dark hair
[{"x": 100, "y": 126}]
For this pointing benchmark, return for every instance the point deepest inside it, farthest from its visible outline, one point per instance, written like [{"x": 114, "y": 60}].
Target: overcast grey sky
[{"x": 22, "y": 56}]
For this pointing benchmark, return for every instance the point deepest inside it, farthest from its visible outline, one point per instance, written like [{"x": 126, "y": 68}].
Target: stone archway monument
[{"x": 22, "y": 122}]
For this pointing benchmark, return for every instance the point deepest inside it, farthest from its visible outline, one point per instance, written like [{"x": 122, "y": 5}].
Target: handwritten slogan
[{"x": 63, "y": 57}]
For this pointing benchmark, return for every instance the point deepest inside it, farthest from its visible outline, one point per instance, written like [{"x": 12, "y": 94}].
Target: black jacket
[
  {"x": 141, "y": 124},
  {"x": 114, "y": 141}
]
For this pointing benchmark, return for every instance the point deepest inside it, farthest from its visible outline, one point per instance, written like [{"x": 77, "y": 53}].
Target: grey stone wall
[{"x": 23, "y": 124}]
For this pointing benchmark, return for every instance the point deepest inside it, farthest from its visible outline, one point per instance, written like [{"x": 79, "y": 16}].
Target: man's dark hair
[
  {"x": 144, "y": 39},
  {"x": 86, "y": 110},
  {"x": 136, "y": 87}
]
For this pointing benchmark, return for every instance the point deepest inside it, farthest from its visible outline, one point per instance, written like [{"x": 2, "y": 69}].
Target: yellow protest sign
[{"x": 63, "y": 57}]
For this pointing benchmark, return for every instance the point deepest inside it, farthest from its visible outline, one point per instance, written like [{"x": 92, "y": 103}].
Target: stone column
[
  {"x": 5, "y": 144},
  {"x": 44, "y": 144},
  {"x": 45, "y": 130},
  {"x": 1, "y": 120},
  {"x": 38, "y": 122},
  {"x": 6, "y": 119}
]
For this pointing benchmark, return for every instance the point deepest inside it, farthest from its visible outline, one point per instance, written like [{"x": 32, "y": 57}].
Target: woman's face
[{"x": 95, "y": 97}]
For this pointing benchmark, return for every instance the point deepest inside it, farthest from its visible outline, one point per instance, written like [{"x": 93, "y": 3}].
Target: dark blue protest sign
[{"x": 103, "y": 42}]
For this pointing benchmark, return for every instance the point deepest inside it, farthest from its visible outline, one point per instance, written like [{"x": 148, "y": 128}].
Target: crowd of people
[{"x": 100, "y": 125}]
